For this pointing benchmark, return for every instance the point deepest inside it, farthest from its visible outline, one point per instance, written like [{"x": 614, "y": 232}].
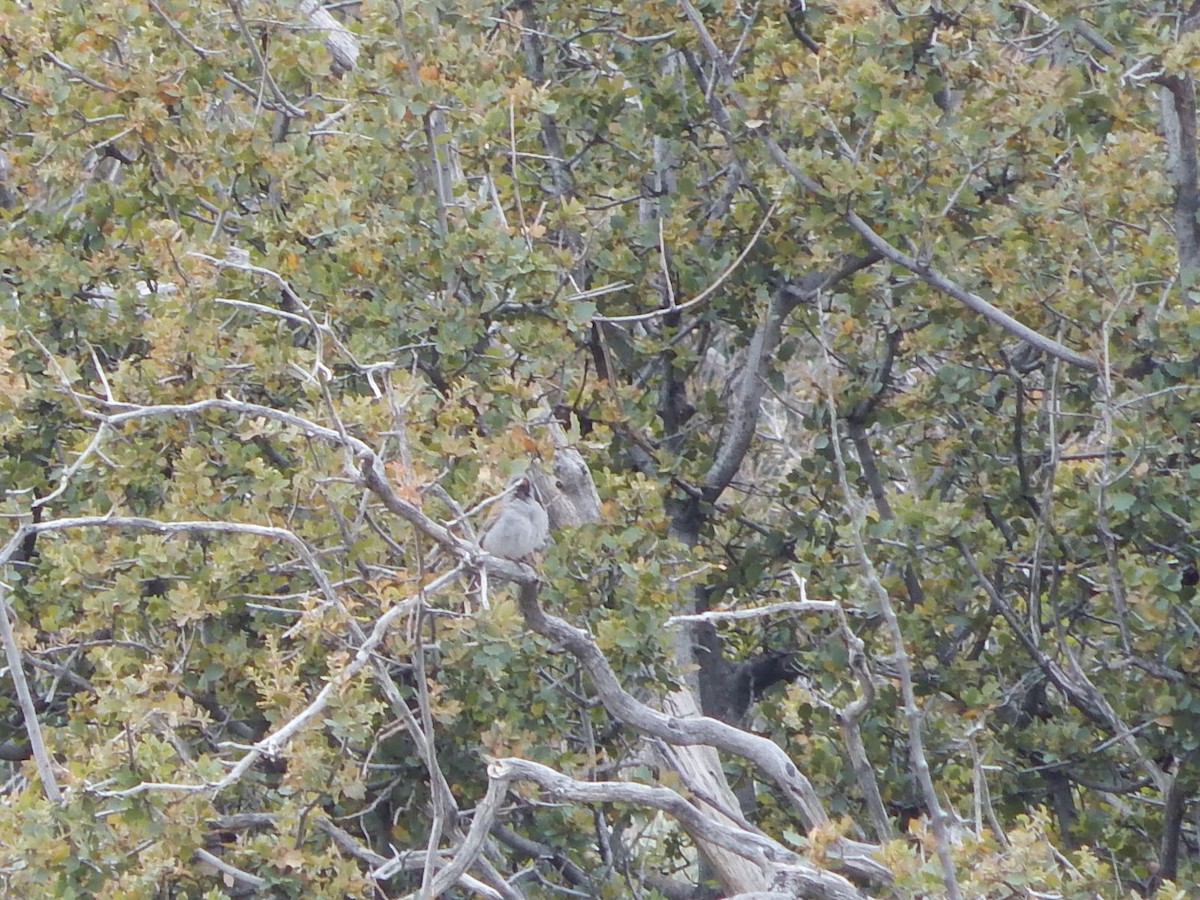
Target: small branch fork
[{"x": 759, "y": 612}]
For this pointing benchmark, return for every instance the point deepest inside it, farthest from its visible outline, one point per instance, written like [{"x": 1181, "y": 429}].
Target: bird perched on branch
[{"x": 521, "y": 527}]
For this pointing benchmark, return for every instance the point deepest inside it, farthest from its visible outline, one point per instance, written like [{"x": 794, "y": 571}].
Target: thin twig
[
  {"x": 178, "y": 32},
  {"x": 760, "y": 612},
  {"x": 75, "y": 73},
  {"x": 708, "y": 291},
  {"x": 290, "y": 108}
]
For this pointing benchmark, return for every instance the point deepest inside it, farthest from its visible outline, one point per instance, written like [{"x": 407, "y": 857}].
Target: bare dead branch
[
  {"x": 1177, "y": 97},
  {"x": 485, "y": 816},
  {"x": 702, "y": 828},
  {"x": 339, "y": 40},
  {"x": 16, "y": 671},
  {"x": 759, "y": 612},
  {"x": 228, "y": 869},
  {"x": 849, "y": 717},
  {"x": 795, "y": 788}
]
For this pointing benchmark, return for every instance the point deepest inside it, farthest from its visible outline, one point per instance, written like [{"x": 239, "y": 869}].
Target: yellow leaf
[{"x": 291, "y": 858}]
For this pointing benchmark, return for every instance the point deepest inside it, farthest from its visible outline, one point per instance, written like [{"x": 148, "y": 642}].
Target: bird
[{"x": 521, "y": 527}]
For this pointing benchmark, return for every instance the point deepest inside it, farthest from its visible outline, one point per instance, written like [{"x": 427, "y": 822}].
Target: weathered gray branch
[
  {"x": 349, "y": 845},
  {"x": 16, "y": 671},
  {"x": 795, "y": 788},
  {"x": 1178, "y": 102},
  {"x": 744, "y": 406},
  {"x": 339, "y": 40},
  {"x": 819, "y": 884}
]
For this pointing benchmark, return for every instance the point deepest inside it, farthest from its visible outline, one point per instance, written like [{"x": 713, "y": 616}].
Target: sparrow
[{"x": 520, "y": 528}]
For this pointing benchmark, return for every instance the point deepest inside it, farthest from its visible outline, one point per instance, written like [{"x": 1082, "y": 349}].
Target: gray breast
[{"x": 520, "y": 529}]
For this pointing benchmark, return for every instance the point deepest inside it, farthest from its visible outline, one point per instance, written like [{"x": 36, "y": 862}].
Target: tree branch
[
  {"x": 873, "y": 240},
  {"x": 912, "y": 712},
  {"x": 16, "y": 671},
  {"x": 745, "y": 404},
  {"x": 771, "y": 760},
  {"x": 822, "y": 885},
  {"x": 1177, "y": 96}
]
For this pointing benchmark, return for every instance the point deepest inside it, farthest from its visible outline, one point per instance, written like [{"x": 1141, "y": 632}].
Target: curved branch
[
  {"x": 472, "y": 846},
  {"x": 972, "y": 301},
  {"x": 702, "y": 730},
  {"x": 271, "y": 744},
  {"x": 745, "y": 404},
  {"x": 759, "y": 848},
  {"x": 371, "y": 472}
]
